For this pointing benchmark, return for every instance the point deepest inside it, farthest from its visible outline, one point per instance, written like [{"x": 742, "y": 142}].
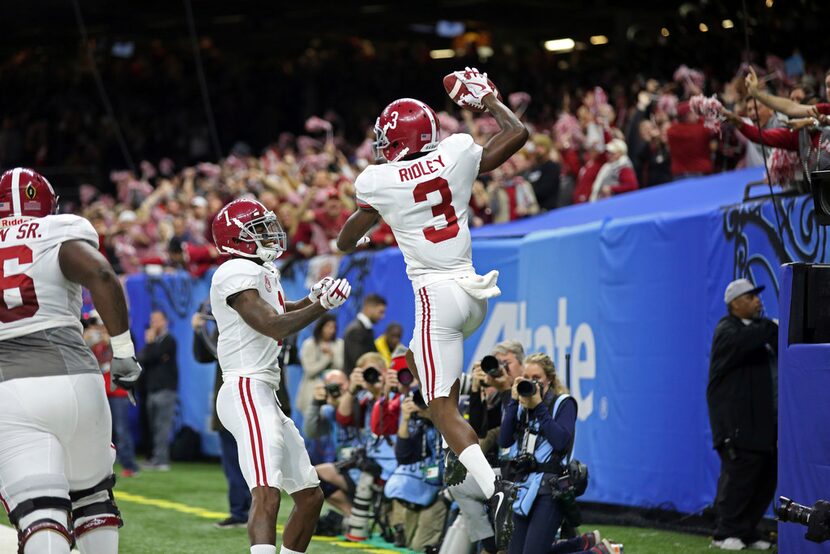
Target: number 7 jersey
[{"x": 426, "y": 203}]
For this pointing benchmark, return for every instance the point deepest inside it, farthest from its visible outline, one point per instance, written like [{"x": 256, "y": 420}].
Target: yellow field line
[{"x": 208, "y": 514}]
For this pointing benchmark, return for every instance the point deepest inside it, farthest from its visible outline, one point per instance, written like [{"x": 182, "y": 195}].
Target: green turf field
[{"x": 173, "y": 513}]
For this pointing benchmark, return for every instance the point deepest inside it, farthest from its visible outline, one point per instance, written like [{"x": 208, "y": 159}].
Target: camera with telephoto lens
[
  {"x": 405, "y": 378},
  {"x": 816, "y": 519},
  {"x": 359, "y": 460},
  {"x": 371, "y": 375},
  {"x": 333, "y": 390},
  {"x": 491, "y": 366},
  {"x": 527, "y": 388}
]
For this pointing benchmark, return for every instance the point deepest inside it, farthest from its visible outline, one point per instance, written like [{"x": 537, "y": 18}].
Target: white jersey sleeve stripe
[{"x": 16, "y": 191}]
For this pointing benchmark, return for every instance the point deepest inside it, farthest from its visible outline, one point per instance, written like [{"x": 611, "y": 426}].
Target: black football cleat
[
  {"x": 501, "y": 512},
  {"x": 454, "y": 470}
]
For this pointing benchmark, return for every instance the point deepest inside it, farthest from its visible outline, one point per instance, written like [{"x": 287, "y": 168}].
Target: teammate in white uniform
[
  {"x": 423, "y": 193},
  {"x": 253, "y": 318},
  {"x": 56, "y": 452}
]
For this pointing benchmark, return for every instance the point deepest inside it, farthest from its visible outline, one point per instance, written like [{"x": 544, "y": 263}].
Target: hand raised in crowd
[
  {"x": 320, "y": 392},
  {"x": 149, "y": 335},
  {"x": 751, "y": 81}
]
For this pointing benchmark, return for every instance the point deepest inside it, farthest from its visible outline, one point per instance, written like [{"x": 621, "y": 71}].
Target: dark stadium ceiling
[{"x": 251, "y": 24}]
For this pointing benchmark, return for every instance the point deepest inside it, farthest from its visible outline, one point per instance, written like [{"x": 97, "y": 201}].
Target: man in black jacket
[
  {"x": 359, "y": 337},
  {"x": 743, "y": 409},
  {"x": 161, "y": 370}
]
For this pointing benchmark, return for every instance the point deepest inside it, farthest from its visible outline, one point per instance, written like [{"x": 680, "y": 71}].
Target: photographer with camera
[
  {"x": 375, "y": 456},
  {"x": 538, "y": 430},
  {"x": 491, "y": 382},
  {"x": 416, "y": 482}
]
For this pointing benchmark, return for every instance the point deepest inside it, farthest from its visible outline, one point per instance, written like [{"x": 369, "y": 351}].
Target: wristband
[{"x": 122, "y": 346}]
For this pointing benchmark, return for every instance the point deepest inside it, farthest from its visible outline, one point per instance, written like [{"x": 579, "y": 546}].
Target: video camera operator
[
  {"x": 538, "y": 430},
  {"x": 416, "y": 481},
  {"x": 491, "y": 383}
]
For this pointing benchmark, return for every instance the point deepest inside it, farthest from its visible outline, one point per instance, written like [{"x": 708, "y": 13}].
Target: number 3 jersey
[
  {"x": 40, "y": 309},
  {"x": 426, "y": 203},
  {"x": 243, "y": 351}
]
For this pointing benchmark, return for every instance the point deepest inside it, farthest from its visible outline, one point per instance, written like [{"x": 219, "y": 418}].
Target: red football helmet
[
  {"x": 405, "y": 127},
  {"x": 247, "y": 228},
  {"x": 26, "y": 193}
]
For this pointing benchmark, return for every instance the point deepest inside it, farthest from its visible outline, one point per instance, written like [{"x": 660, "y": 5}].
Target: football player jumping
[{"x": 423, "y": 193}]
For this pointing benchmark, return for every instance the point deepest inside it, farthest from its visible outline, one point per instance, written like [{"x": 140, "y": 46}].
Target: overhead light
[
  {"x": 703, "y": 27},
  {"x": 727, "y": 24},
  {"x": 769, "y": 3},
  {"x": 560, "y": 45},
  {"x": 484, "y": 52},
  {"x": 597, "y": 40},
  {"x": 442, "y": 54},
  {"x": 664, "y": 32}
]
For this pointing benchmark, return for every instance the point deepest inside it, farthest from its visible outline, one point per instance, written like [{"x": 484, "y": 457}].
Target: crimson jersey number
[
  {"x": 433, "y": 234},
  {"x": 21, "y": 281}
]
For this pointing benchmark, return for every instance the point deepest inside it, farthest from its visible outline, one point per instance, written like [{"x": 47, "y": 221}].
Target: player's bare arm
[
  {"x": 508, "y": 141},
  {"x": 356, "y": 227},
  {"x": 83, "y": 264},
  {"x": 263, "y": 318},
  {"x": 297, "y": 305}
]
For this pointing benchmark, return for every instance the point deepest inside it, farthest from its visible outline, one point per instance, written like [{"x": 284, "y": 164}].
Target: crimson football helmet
[
  {"x": 405, "y": 127},
  {"x": 248, "y": 229},
  {"x": 26, "y": 193}
]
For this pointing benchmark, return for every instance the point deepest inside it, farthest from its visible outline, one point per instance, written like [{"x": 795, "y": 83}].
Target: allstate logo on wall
[{"x": 508, "y": 321}]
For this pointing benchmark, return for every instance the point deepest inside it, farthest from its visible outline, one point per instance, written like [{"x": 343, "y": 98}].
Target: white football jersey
[
  {"x": 242, "y": 351},
  {"x": 35, "y": 293},
  {"x": 426, "y": 203}
]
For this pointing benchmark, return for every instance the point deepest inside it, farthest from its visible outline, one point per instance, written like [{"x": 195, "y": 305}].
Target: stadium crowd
[{"x": 588, "y": 143}]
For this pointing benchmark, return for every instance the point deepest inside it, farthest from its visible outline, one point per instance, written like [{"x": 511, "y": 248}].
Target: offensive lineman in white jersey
[
  {"x": 253, "y": 318},
  {"x": 56, "y": 450},
  {"x": 423, "y": 193}
]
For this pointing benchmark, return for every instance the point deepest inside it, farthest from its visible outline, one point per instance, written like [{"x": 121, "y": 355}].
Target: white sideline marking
[{"x": 8, "y": 539}]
